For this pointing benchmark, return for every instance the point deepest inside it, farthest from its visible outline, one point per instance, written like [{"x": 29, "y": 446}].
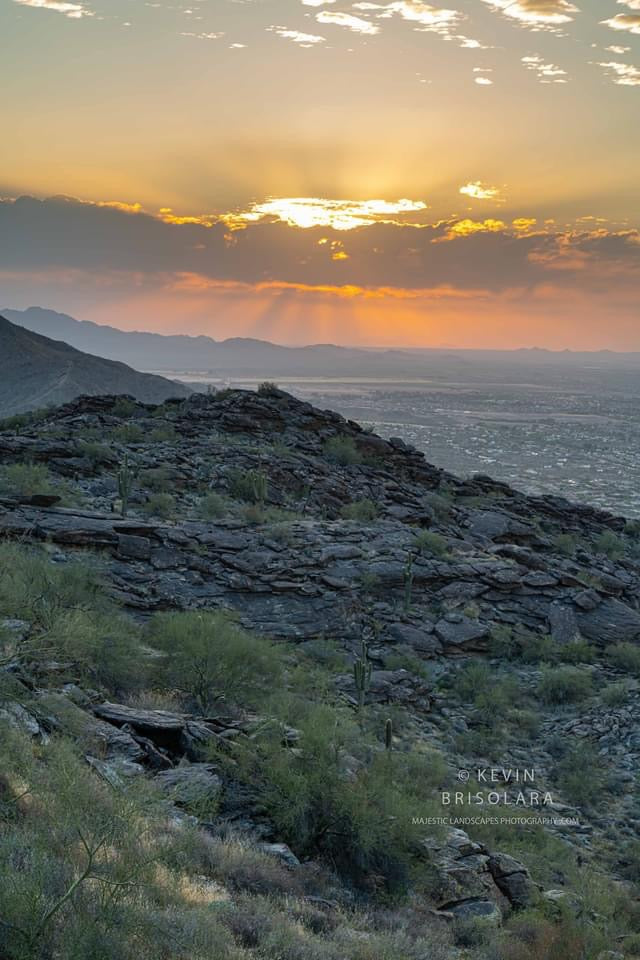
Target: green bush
[
  {"x": 88, "y": 872},
  {"x": 268, "y": 388},
  {"x": 473, "y": 679},
  {"x": 327, "y": 802},
  {"x": 34, "y": 479},
  {"x": 610, "y": 545},
  {"x": 97, "y": 453},
  {"x": 625, "y": 656},
  {"x": 128, "y": 433},
  {"x": 566, "y": 544},
  {"x": 615, "y": 694},
  {"x": 529, "y": 647},
  {"x": 213, "y": 506},
  {"x": 580, "y": 775},
  {"x": 248, "y": 485},
  {"x": 564, "y": 685},
  {"x": 503, "y": 643},
  {"x": 161, "y": 505},
  {"x": 342, "y": 450},
  {"x": 431, "y": 544},
  {"x": 163, "y": 433},
  {"x": 72, "y": 619},
  {"x": 210, "y": 659},
  {"x": 158, "y": 479},
  {"x": 19, "y": 421},
  {"x": 363, "y": 511},
  {"x": 124, "y": 407}
]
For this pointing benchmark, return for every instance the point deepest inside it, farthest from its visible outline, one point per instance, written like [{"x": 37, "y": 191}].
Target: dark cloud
[{"x": 63, "y": 234}]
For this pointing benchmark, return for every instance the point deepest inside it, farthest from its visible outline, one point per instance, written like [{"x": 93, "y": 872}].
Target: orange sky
[{"x": 313, "y": 170}]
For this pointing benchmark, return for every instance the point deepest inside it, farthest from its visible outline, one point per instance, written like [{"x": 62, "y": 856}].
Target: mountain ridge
[
  {"x": 37, "y": 371},
  {"x": 261, "y": 359}
]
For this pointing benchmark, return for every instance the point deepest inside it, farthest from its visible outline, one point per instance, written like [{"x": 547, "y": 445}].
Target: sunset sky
[{"x": 383, "y": 173}]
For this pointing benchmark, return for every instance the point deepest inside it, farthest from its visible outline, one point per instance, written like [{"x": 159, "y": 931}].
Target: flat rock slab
[{"x": 145, "y": 720}]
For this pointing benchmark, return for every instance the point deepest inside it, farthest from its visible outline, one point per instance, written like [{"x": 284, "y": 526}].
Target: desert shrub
[
  {"x": 615, "y": 694},
  {"x": 625, "y": 656},
  {"x": 363, "y": 511},
  {"x": 576, "y": 651},
  {"x": 235, "y": 861},
  {"x": 163, "y": 433},
  {"x": 72, "y": 619},
  {"x": 248, "y": 485},
  {"x": 162, "y": 505},
  {"x": 503, "y": 643},
  {"x": 472, "y": 932},
  {"x": 210, "y": 659},
  {"x": 124, "y": 407},
  {"x": 610, "y": 545},
  {"x": 498, "y": 700},
  {"x": 268, "y": 388},
  {"x": 580, "y": 775},
  {"x": 630, "y": 862},
  {"x": 529, "y": 647},
  {"x": 158, "y": 479},
  {"x": 95, "y": 452},
  {"x": 564, "y": 685},
  {"x": 472, "y": 680},
  {"x": 87, "y": 871},
  {"x": 19, "y": 421},
  {"x": 326, "y": 801},
  {"x": 431, "y": 544},
  {"x": 342, "y": 450},
  {"x": 533, "y": 937},
  {"x": 440, "y": 503},
  {"x": 128, "y": 433},
  {"x": 526, "y": 722},
  {"x": 213, "y": 506},
  {"x": 566, "y": 544},
  {"x": 34, "y": 479}
]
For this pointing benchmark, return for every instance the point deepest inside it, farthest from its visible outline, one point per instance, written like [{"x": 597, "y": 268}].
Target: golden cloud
[
  {"x": 623, "y": 74},
  {"x": 624, "y": 21},
  {"x": 537, "y": 14},
  {"x": 306, "y": 212},
  {"x": 297, "y": 36},
  {"x": 75, "y": 11},
  {"x": 545, "y": 72},
  {"x": 479, "y": 191},
  {"x": 356, "y": 24},
  {"x": 465, "y": 228}
]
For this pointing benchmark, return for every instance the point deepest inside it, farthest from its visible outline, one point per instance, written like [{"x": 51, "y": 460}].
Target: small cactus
[
  {"x": 408, "y": 583},
  {"x": 388, "y": 735},
  {"x": 362, "y": 675},
  {"x": 126, "y": 477}
]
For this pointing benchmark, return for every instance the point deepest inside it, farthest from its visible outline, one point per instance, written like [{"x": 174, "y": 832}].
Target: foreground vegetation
[{"x": 89, "y": 869}]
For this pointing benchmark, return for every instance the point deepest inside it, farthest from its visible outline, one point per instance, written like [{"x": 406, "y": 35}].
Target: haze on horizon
[{"x": 365, "y": 173}]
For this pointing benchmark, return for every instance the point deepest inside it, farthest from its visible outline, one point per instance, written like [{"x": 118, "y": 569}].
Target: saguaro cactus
[
  {"x": 126, "y": 477},
  {"x": 408, "y": 583},
  {"x": 388, "y": 735},
  {"x": 362, "y": 675}
]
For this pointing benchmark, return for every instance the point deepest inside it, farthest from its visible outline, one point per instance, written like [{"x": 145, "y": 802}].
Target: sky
[{"x": 366, "y": 172}]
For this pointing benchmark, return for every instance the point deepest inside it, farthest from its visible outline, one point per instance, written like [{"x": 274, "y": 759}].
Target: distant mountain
[
  {"x": 248, "y": 358},
  {"x": 237, "y": 356},
  {"x": 36, "y": 371}
]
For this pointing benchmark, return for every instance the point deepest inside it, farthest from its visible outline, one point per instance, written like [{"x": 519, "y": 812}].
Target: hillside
[
  {"x": 308, "y": 696},
  {"x": 36, "y": 371}
]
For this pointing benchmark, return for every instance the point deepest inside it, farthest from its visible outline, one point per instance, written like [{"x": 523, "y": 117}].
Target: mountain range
[
  {"x": 36, "y": 371},
  {"x": 250, "y": 358}
]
